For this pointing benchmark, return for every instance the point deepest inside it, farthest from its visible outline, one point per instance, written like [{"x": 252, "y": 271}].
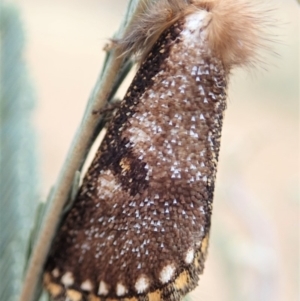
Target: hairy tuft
[{"x": 235, "y": 32}]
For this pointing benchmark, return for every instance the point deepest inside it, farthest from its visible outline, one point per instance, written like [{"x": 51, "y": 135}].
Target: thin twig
[{"x": 74, "y": 161}]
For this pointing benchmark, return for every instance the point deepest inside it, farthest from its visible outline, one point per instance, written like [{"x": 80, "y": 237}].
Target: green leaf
[{"x": 18, "y": 176}]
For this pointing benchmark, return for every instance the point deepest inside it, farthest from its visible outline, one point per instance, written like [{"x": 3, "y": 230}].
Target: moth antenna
[{"x": 236, "y": 30}]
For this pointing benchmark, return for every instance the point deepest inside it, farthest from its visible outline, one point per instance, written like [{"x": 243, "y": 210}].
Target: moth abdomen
[{"x": 145, "y": 203}]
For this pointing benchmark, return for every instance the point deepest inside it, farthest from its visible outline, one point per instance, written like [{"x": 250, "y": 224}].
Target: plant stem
[{"x": 74, "y": 161}]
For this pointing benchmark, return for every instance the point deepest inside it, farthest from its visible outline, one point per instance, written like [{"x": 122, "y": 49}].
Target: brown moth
[{"x": 139, "y": 227}]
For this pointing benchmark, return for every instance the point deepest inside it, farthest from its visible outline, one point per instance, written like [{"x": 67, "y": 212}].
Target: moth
[{"x": 139, "y": 227}]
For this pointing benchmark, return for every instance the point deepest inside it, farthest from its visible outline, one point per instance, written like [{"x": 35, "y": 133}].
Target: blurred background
[{"x": 254, "y": 247}]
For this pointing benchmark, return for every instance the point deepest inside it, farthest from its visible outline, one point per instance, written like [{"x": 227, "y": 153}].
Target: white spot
[
  {"x": 55, "y": 272},
  {"x": 137, "y": 135},
  {"x": 107, "y": 185},
  {"x": 193, "y": 134},
  {"x": 192, "y": 25},
  {"x": 167, "y": 273},
  {"x": 121, "y": 289},
  {"x": 165, "y": 82},
  {"x": 194, "y": 70},
  {"x": 189, "y": 256},
  {"x": 67, "y": 279},
  {"x": 103, "y": 288},
  {"x": 86, "y": 285},
  {"x": 142, "y": 284},
  {"x": 202, "y": 93}
]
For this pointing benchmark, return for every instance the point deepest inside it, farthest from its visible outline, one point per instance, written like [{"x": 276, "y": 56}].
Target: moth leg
[
  {"x": 108, "y": 110},
  {"x": 115, "y": 104}
]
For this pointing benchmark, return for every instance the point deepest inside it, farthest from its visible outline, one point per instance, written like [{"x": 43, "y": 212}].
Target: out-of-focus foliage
[{"x": 18, "y": 179}]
